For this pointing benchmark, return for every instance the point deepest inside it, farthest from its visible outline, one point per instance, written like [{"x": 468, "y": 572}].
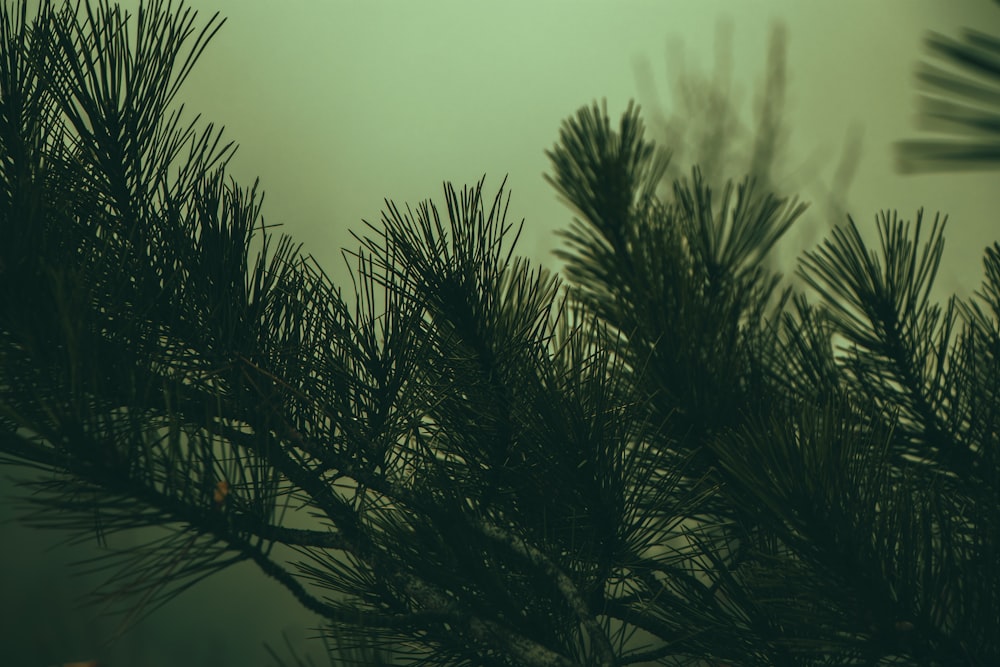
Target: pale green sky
[{"x": 337, "y": 105}]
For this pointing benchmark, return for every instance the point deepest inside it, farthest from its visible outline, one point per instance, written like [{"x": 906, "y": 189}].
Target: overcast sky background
[{"x": 337, "y": 105}]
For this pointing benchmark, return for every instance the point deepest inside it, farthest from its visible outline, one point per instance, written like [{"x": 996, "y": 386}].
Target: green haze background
[{"x": 337, "y": 105}]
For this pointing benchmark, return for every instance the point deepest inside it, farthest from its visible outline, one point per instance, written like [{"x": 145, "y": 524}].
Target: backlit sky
[{"x": 337, "y": 105}]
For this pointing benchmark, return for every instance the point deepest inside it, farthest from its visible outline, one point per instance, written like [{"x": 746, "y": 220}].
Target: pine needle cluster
[{"x": 665, "y": 457}]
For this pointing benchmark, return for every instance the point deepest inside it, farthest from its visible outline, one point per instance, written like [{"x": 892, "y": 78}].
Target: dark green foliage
[
  {"x": 667, "y": 460},
  {"x": 705, "y": 130},
  {"x": 962, "y": 99}
]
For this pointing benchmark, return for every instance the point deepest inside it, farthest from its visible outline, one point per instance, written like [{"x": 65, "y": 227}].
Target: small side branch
[{"x": 565, "y": 585}]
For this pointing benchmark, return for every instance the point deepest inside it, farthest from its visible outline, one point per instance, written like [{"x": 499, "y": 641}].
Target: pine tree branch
[{"x": 565, "y": 585}]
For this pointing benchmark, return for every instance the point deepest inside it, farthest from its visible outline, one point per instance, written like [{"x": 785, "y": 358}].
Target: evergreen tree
[
  {"x": 961, "y": 98},
  {"x": 666, "y": 459},
  {"x": 723, "y": 148}
]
